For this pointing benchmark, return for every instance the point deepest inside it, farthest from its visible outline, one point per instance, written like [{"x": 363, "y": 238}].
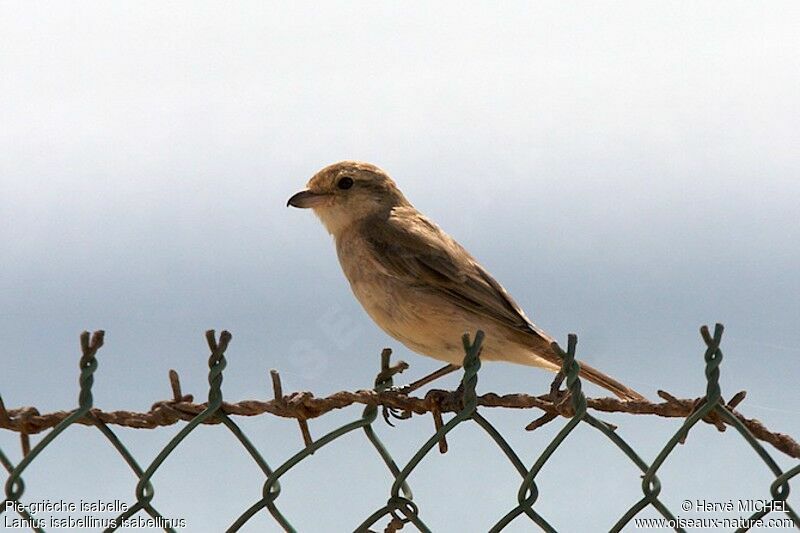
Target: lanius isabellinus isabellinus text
[{"x": 416, "y": 282}]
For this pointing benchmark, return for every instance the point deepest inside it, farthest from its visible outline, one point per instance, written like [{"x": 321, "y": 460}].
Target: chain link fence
[{"x": 400, "y": 509}]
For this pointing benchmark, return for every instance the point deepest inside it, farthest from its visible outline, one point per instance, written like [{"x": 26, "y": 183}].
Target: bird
[{"x": 416, "y": 282}]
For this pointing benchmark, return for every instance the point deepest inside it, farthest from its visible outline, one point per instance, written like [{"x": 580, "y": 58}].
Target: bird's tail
[
  {"x": 598, "y": 378},
  {"x": 539, "y": 352}
]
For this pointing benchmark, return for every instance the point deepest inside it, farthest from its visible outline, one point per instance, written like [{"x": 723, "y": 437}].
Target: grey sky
[{"x": 628, "y": 170}]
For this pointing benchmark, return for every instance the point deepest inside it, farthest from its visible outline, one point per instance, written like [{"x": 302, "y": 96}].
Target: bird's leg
[
  {"x": 555, "y": 385},
  {"x": 411, "y": 387},
  {"x": 389, "y": 412},
  {"x": 558, "y": 397}
]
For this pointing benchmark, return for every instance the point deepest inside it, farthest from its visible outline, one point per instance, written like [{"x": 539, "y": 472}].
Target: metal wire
[{"x": 400, "y": 508}]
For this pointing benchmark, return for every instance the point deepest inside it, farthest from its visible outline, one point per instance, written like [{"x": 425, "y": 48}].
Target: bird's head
[{"x": 348, "y": 192}]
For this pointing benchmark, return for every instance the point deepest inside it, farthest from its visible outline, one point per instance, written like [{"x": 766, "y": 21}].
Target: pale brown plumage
[{"x": 416, "y": 282}]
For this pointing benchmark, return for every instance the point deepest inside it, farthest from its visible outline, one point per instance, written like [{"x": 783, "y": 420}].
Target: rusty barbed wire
[
  {"x": 304, "y": 406},
  {"x": 570, "y": 404}
]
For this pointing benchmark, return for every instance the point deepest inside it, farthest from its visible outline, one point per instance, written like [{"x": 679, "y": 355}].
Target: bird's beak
[{"x": 307, "y": 198}]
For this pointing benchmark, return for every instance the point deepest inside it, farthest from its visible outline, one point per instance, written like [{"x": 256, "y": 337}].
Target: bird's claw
[{"x": 392, "y": 412}]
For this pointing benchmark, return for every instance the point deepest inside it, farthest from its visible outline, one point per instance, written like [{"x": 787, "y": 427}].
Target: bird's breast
[
  {"x": 376, "y": 290},
  {"x": 406, "y": 312}
]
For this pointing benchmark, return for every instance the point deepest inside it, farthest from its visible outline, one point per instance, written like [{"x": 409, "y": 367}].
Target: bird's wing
[{"x": 412, "y": 248}]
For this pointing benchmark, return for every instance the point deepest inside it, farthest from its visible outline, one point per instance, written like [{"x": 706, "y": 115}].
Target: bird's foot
[{"x": 390, "y": 413}]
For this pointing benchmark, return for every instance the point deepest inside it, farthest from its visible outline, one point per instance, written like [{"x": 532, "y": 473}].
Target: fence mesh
[{"x": 400, "y": 509}]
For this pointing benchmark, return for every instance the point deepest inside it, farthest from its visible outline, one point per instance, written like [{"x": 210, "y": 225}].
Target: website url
[{"x": 707, "y": 523}]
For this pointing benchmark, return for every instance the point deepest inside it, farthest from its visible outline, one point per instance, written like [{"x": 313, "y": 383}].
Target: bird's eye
[{"x": 345, "y": 183}]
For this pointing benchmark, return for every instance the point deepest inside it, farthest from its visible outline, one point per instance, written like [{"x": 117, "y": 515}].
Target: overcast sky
[{"x": 628, "y": 170}]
